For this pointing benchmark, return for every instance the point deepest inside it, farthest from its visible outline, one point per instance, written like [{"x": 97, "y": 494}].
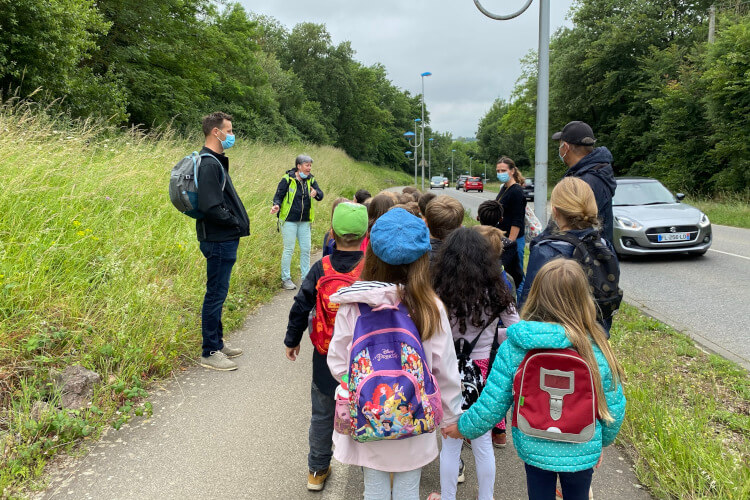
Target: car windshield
[
  {"x": 474, "y": 179},
  {"x": 641, "y": 193},
  {"x": 437, "y": 179}
]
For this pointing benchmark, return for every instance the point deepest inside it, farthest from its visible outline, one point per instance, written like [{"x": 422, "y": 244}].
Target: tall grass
[
  {"x": 729, "y": 209},
  {"x": 98, "y": 269}
]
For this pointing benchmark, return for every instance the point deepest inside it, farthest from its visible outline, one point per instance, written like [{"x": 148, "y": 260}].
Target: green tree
[{"x": 43, "y": 45}]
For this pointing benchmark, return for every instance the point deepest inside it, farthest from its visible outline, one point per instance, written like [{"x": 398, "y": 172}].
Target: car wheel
[{"x": 481, "y": 190}]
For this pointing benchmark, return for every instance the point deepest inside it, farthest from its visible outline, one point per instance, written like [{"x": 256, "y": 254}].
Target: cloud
[{"x": 473, "y": 59}]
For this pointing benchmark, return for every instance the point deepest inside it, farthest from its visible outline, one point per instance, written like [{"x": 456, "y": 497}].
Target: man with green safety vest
[{"x": 294, "y": 208}]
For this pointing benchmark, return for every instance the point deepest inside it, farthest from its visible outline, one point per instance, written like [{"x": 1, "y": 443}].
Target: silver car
[{"x": 649, "y": 219}]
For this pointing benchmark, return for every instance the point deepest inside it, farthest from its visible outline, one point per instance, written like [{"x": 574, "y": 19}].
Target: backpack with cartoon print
[{"x": 393, "y": 394}]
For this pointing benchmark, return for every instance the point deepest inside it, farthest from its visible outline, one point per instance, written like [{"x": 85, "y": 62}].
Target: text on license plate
[{"x": 673, "y": 237}]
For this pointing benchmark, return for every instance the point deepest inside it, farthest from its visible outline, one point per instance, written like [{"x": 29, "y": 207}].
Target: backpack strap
[
  {"x": 568, "y": 238},
  {"x": 460, "y": 344},
  {"x": 328, "y": 269},
  {"x": 197, "y": 163}
]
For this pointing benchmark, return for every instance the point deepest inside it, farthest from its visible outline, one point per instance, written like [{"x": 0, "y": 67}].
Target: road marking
[{"x": 727, "y": 253}]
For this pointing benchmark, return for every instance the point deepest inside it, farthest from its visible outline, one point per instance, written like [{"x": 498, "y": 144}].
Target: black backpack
[
  {"x": 601, "y": 267},
  {"x": 472, "y": 381}
]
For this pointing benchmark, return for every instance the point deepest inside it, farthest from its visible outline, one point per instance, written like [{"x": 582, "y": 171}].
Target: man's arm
[{"x": 211, "y": 196}]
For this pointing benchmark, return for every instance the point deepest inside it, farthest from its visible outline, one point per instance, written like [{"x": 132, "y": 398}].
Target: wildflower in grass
[
  {"x": 81, "y": 233},
  {"x": 76, "y": 223},
  {"x": 108, "y": 198}
]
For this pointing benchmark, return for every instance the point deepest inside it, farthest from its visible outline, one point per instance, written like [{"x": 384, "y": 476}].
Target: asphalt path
[
  {"x": 243, "y": 435},
  {"x": 705, "y": 297}
]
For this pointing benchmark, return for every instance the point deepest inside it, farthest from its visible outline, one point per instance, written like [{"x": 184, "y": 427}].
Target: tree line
[
  {"x": 152, "y": 63},
  {"x": 664, "y": 100}
]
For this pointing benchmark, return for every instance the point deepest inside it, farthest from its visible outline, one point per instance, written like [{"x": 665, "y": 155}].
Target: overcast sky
[{"x": 473, "y": 59}]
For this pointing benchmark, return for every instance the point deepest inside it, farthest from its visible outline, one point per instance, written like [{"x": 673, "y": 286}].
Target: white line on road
[{"x": 727, "y": 253}]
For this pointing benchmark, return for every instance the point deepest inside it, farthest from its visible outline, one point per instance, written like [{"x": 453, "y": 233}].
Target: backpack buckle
[{"x": 557, "y": 384}]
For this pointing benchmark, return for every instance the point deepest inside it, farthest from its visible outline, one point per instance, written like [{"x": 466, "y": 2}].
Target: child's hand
[
  {"x": 600, "y": 461},
  {"x": 451, "y": 431},
  {"x": 274, "y": 209},
  {"x": 291, "y": 353}
]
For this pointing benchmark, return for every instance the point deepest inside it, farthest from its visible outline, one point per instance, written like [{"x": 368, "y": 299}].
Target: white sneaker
[{"x": 288, "y": 285}]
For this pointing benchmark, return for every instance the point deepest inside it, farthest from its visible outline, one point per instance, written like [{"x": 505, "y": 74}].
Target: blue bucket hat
[{"x": 398, "y": 237}]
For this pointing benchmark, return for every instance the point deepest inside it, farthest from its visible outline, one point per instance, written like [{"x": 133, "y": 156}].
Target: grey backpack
[{"x": 183, "y": 184}]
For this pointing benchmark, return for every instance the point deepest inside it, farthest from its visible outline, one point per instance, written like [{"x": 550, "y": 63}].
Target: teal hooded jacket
[{"x": 497, "y": 397}]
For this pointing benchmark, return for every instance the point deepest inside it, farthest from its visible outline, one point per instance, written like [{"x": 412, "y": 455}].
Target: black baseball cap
[{"x": 576, "y": 132}]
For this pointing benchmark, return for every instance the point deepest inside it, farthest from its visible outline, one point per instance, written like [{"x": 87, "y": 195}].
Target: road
[
  {"x": 705, "y": 297},
  {"x": 243, "y": 435}
]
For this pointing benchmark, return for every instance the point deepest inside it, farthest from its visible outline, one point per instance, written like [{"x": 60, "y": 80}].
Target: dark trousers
[
  {"x": 220, "y": 257},
  {"x": 541, "y": 483},
  {"x": 321, "y": 430}
]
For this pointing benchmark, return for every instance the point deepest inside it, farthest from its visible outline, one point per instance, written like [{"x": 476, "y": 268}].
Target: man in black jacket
[
  {"x": 225, "y": 221},
  {"x": 592, "y": 165}
]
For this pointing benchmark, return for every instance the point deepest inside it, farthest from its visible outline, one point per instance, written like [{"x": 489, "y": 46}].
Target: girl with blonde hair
[
  {"x": 559, "y": 314},
  {"x": 574, "y": 213}
]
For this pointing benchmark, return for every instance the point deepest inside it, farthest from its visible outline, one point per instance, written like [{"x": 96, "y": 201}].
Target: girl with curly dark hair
[{"x": 468, "y": 279}]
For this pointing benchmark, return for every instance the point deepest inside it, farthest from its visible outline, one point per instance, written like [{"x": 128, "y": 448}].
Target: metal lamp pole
[
  {"x": 542, "y": 103},
  {"x": 429, "y": 159},
  {"x": 452, "y": 151},
  {"x": 470, "y": 158},
  {"x": 417, "y": 142},
  {"x": 426, "y": 73}
]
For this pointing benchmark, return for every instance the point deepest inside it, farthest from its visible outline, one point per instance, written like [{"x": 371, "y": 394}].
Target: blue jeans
[
  {"x": 291, "y": 232},
  {"x": 220, "y": 257},
  {"x": 541, "y": 483},
  {"x": 320, "y": 436},
  {"x": 521, "y": 247}
]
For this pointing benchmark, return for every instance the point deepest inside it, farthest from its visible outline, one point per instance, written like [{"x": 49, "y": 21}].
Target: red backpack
[
  {"x": 325, "y": 311},
  {"x": 553, "y": 396}
]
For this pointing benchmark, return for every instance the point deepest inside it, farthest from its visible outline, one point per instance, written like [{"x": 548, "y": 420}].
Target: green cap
[{"x": 350, "y": 218}]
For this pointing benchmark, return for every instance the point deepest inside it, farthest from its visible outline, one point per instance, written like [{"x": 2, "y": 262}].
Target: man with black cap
[{"x": 593, "y": 165}]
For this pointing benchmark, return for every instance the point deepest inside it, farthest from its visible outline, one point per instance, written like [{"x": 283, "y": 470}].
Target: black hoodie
[{"x": 596, "y": 169}]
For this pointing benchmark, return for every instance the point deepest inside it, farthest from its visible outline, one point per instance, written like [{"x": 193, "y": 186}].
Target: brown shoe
[
  {"x": 499, "y": 440},
  {"x": 316, "y": 481}
]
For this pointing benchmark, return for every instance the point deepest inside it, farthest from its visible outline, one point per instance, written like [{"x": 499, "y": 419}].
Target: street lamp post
[
  {"x": 470, "y": 158},
  {"x": 542, "y": 103},
  {"x": 429, "y": 159},
  {"x": 485, "y": 171},
  {"x": 426, "y": 73},
  {"x": 452, "y": 151},
  {"x": 417, "y": 142}
]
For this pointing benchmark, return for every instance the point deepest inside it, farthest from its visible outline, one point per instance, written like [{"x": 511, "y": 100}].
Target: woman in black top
[{"x": 512, "y": 199}]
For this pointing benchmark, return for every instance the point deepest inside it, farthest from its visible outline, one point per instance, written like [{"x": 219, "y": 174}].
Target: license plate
[{"x": 673, "y": 237}]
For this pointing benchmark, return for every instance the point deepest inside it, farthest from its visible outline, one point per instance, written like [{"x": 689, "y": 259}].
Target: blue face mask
[
  {"x": 228, "y": 142},
  {"x": 503, "y": 176},
  {"x": 303, "y": 176}
]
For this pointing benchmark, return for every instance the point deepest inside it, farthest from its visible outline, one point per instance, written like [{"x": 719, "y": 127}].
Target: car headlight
[
  {"x": 628, "y": 223},
  {"x": 704, "y": 220}
]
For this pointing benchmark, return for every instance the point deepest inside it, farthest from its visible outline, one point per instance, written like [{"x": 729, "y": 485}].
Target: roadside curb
[{"x": 703, "y": 343}]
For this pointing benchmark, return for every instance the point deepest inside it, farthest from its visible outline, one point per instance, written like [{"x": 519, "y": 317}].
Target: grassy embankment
[
  {"x": 97, "y": 268},
  {"x": 688, "y": 416}
]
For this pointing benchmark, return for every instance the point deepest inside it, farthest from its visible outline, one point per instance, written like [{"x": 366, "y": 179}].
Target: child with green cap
[{"x": 326, "y": 277}]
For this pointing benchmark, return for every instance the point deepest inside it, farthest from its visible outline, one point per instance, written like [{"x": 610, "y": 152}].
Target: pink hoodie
[{"x": 403, "y": 454}]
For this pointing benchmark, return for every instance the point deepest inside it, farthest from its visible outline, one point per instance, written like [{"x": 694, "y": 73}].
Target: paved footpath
[{"x": 243, "y": 435}]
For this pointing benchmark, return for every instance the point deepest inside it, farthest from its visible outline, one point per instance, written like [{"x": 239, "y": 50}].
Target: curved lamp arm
[{"x": 502, "y": 18}]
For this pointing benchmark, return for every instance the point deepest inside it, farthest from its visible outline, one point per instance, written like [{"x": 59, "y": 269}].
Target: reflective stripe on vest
[{"x": 286, "y": 204}]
